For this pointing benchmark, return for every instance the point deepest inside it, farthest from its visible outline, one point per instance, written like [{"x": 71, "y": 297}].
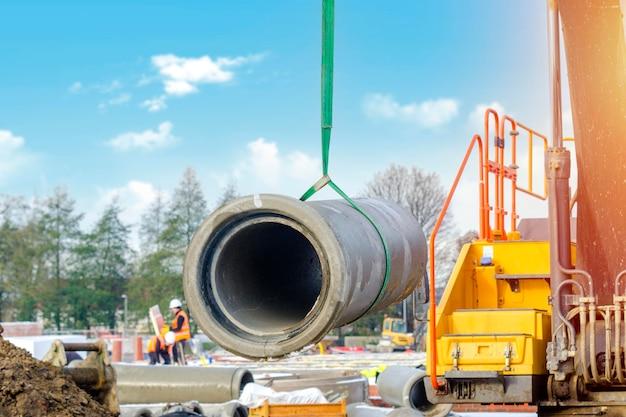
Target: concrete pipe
[
  {"x": 138, "y": 384},
  {"x": 365, "y": 410},
  {"x": 229, "y": 409},
  {"x": 266, "y": 275},
  {"x": 403, "y": 386}
]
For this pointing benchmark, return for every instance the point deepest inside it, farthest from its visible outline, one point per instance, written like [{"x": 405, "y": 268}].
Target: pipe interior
[{"x": 268, "y": 276}]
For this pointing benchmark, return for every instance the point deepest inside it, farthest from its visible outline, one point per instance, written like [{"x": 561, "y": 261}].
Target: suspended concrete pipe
[
  {"x": 138, "y": 384},
  {"x": 266, "y": 275},
  {"x": 403, "y": 386}
]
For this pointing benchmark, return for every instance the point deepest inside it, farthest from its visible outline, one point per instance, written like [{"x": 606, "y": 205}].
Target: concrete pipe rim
[
  {"x": 319, "y": 319},
  {"x": 241, "y": 378}
]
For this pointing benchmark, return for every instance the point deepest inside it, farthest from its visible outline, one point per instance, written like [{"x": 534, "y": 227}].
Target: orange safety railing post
[
  {"x": 432, "y": 326},
  {"x": 494, "y": 114},
  {"x": 501, "y": 175},
  {"x": 514, "y": 167}
]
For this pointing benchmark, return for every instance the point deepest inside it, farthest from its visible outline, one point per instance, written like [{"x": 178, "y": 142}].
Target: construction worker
[
  {"x": 180, "y": 327},
  {"x": 158, "y": 349}
]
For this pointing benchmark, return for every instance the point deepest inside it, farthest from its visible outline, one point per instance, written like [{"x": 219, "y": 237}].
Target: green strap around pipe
[{"x": 328, "y": 24}]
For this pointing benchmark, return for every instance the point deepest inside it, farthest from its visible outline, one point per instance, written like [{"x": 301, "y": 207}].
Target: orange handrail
[
  {"x": 532, "y": 134},
  {"x": 488, "y": 112},
  {"x": 500, "y": 193},
  {"x": 476, "y": 139}
]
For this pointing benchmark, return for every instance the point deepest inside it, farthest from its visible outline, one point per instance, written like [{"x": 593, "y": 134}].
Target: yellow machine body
[{"x": 495, "y": 312}]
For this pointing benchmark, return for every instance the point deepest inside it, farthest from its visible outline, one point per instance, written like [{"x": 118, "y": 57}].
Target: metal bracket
[
  {"x": 456, "y": 354},
  {"x": 508, "y": 353}
]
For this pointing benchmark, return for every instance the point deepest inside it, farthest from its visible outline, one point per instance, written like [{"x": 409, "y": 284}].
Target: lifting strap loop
[{"x": 328, "y": 23}]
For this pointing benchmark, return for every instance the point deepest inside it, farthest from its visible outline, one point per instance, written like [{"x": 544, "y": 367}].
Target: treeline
[{"x": 52, "y": 269}]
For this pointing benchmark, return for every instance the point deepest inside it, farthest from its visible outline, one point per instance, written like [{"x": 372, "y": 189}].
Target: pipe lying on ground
[
  {"x": 403, "y": 386},
  {"x": 365, "y": 410},
  {"x": 162, "y": 384},
  {"x": 266, "y": 275},
  {"x": 229, "y": 409}
]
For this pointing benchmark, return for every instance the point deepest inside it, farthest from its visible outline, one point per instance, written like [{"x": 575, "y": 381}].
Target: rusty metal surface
[{"x": 596, "y": 61}]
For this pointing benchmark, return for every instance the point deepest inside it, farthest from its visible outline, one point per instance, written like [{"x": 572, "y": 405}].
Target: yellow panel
[
  {"x": 485, "y": 287},
  {"x": 494, "y": 321}
]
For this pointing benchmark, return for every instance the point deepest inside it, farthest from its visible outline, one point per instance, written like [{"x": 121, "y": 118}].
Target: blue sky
[{"x": 117, "y": 98}]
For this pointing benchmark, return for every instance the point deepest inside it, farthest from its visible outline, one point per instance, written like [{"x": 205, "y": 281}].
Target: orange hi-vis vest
[
  {"x": 152, "y": 343},
  {"x": 184, "y": 333}
]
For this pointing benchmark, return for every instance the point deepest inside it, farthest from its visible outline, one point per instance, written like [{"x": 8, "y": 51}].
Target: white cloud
[
  {"x": 477, "y": 116},
  {"x": 13, "y": 156},
  {"x": 426, "y": 114},
  {"x": 147, "y": 140},
  {"x": 264, "y": 159},
  {"x": 155, "y": 104},
  {"x": 302, "y": 166},
  {"x": 179, "y": 87},
  {"x": 75, "y": 87},
  {"x": 181, "y": 76},
  {"x": 118, "y": 100},
  {"x": 268, "y": 166},
  {"x": 10, "y": 142}
]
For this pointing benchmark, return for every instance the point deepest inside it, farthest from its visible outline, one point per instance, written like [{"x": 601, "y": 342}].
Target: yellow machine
[
  {"x": 395, "y": 331},
  {"x": 531, "y": 313}
]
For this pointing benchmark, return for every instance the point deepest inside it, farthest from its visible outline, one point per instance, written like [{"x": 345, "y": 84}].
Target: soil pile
[{"x": 31, "y": 388}]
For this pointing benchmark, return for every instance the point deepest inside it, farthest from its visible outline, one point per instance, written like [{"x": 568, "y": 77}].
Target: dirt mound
[{"x": 31, "y": 388}]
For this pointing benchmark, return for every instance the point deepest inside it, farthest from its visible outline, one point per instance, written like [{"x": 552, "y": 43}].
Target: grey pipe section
[
  {"x": 138, "y": 384},
  {"x": 365, "y": 410},
  {"x": 229, "y": 409},
  {"x": 266, "y": 275},
  {"x": 400, "y": 386},
  {"x": 403, "y": 386}
]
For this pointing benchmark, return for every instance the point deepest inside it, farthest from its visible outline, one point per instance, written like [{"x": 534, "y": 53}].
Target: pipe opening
[
  {"x": 246, "y": 379},
  {"x": 267, "y": 276}
]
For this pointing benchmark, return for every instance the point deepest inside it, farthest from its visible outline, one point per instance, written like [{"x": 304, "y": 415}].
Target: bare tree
[
  {"x": 419, "y": 191},
  {"x": 423, "y": 195}
]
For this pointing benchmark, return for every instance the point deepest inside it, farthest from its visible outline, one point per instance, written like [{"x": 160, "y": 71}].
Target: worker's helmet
[
  {"x": 170, "y": 338},
  {"x": 175, "y": 303}
]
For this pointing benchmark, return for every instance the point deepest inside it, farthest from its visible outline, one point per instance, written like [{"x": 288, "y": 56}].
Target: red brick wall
[{"x": 22, "y": 328}]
